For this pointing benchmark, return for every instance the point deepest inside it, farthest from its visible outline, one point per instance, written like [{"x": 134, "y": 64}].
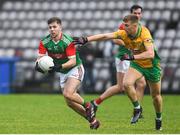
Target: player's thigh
[
  {"x": 74, "y": 79},
  {"x": 155, "y": 87},
  {"x": 71, "y": 85},
  {"x": 141, "y": 83},
  {"x": 120, "y": 77},
  {"x": 131, "y": 76}
]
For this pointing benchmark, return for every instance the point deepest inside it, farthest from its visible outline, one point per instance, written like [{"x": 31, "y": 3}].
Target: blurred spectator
[
  {"x": 87, "y": 54},
  {"x": 18, "y": 53}
]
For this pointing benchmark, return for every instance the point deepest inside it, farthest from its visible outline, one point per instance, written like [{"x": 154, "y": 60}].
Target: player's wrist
[
  {"x": 55, "y": 68},
  {"x": 86, "y": 39},
  {"x": 132, "y": 57},
  {"x": 80, "y": 40},
  {"x": 58, "y": 67}
]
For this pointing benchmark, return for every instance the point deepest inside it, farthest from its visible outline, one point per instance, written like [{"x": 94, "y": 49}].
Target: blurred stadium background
[{"x": 23, "y": 23}]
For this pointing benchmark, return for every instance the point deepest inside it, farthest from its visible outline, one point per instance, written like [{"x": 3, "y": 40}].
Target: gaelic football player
[
  {"x": 68, "y": 64},
  {"x": 144, "y": 61}
]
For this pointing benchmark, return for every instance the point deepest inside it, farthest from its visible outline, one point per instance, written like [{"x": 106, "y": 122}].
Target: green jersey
[
  {"x": 121, "y": 51},
  {"x": 60, "y": 51}
]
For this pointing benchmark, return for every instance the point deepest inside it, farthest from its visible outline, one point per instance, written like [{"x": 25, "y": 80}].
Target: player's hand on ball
[
  {"x": 127, "y": 57},
  {"x": 55, "y": 68},
  {"x": 37, "y": 68},
  {"x": 80, "y": 40}
]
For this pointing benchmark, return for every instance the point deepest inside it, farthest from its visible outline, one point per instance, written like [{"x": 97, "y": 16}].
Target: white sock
[{"x": 137, "y": 107}]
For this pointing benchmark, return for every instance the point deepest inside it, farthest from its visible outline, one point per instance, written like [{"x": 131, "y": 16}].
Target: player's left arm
[
  {"x": 149, "y": 51},
  {"x": 148, "y": 44},
  {"x": 71, "y": 54}
]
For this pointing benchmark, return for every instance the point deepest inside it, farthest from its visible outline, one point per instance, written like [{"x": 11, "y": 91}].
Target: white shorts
[
  {"x": 76, "y": 72},
  {"x": 122, "y": 66}
]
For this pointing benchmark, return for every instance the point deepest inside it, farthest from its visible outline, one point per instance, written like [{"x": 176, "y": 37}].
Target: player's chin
[{"x": 53, "y": 35}]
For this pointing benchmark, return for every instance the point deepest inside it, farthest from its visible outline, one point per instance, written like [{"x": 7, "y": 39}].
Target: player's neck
[
  {"x": 58, "y": 37},
  {"x": 134, "y": 33}
]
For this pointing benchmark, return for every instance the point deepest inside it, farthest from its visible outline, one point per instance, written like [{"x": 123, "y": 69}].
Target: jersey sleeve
[
  {"x": 147, "y": 38},
  {"x": 42, "y": 49},
  {"x": 119, "y": 34},
  {"x": 71, "y": 50}
]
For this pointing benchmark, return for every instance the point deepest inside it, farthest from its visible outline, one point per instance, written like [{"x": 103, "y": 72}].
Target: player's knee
[
  {"x": 67, "y": 95},
  {"x": 156, "y": 97},
  {"x": 141, "y": 84},
  {"x": 127, "y": 85},
  {"x": 120, "y": 87}
]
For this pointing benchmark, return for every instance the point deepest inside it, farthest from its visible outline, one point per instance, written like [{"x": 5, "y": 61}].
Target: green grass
[{"x": 45, "y": 114}]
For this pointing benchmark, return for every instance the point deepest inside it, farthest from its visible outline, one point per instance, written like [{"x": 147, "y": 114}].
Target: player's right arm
[
  {"x": 98, "y": 37},
  {"x": 119, "y": 41},
  {"x": 71, "y": 54},
  {"x": 41, "y": 50}
]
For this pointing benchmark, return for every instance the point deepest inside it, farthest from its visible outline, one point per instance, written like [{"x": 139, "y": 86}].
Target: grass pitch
[{"x": 48, "y": 114}]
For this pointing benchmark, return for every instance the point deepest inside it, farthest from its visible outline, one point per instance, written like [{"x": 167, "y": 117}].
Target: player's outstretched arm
[
  {"x": 80, "y": 40},
  {"x": 98, "y": 37}
]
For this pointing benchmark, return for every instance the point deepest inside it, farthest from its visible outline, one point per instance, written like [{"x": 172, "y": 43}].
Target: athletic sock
[
  {"x": 85, "y": 104},
  {"x": 136, "y": 105},
  {"x": 158, "y": 115},
  {"x": 98, "y": 101}
]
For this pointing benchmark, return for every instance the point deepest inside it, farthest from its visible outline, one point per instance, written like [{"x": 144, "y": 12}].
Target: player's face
[
  {"x": 130, "y": 28},
  {"x": 138, "y": 13},
  {"x": 54, "y": 29}
]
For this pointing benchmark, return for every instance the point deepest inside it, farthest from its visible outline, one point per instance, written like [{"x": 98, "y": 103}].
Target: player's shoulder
[
  {"x": 121, "y": 32},
  {"x": 67, "y": 38},
  {"x": 46, "y": 39},
  {"x": 144, "y": 28},
  {"x": 145, "y": 32}
]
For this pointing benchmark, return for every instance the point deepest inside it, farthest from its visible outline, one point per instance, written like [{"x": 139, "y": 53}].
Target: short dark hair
[
  {"x": 134, "y": 7},
  {"x": 131, "y": 17},
  {"x": 54, "y": 19}
]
